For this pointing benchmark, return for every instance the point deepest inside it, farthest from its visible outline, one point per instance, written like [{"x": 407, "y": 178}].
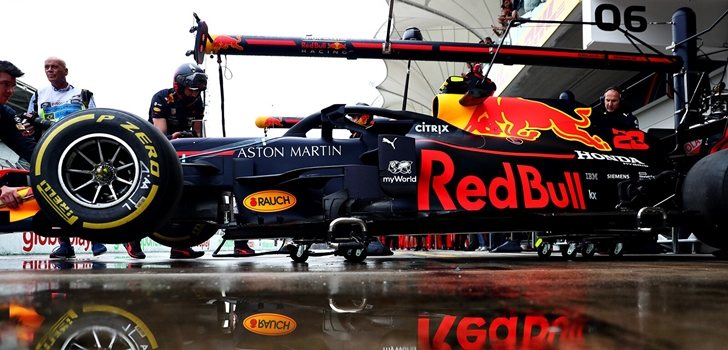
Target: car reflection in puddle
[{"x": 132, "y": 313}]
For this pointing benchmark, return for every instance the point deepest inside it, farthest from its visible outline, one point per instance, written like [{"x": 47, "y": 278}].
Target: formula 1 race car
[{"x": 479, "y": 163}]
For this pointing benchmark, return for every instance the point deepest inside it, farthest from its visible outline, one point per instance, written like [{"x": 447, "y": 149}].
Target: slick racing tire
[
  {"x": 99, "y": 327},
  {"x": 106, "y": 175},
  {"x": 705, "y": 191}
]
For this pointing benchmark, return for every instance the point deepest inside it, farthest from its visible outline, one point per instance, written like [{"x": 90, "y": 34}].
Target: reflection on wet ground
[{"x": 433, "y": 300}]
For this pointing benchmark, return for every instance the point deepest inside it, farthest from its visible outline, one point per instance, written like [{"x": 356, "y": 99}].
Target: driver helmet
[
  {"x": 362, "y": 119},
  {"x": 190, "y": 75}
]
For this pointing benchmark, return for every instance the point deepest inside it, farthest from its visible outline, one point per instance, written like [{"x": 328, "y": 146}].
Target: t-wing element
[{"x": 269, "y": 122}]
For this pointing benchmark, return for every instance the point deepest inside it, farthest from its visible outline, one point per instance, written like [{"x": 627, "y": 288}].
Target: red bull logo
[
  {"x": 522, "y": 118},
  {"x": 514, "y": 117},
  {"x": 268, "y": 122},
  {"x": 337, "y": 46},
  {"x": 224, "y": 42}
]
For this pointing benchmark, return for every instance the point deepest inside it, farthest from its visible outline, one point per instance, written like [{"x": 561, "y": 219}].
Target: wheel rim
[
  {"x": 99, "y": 337},
  {"x": 98, "y": 171}
]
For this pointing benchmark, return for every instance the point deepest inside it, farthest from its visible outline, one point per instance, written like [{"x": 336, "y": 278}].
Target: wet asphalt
[{"x": 411, "y": 300}]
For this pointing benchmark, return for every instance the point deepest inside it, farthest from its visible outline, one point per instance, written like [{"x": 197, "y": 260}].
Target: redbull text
[
  {"x": 521, "y": 186},
  {"x": 323, "y": 48},
  {"x": 512, "y": 332}
]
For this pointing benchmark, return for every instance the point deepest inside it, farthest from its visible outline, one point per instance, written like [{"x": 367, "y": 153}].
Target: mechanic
[
  {"x": 10, "y": 130},
  {"x": 49, "y": 105},
  {"x": 391, "y": 242},
  {"x": 176, "y": 112},
  {"x": 613, "y": 113},
  {"x": 474, "y": 70},
  {"x": 242, "y": 248},
  {"x": 482, "y": 245},
  {"x": 474, "y": 74}
]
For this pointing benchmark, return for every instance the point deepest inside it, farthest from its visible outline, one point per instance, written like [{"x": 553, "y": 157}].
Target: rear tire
[
  {"x": 705, "y": 191},
  {"x": 106, "y": 175}
]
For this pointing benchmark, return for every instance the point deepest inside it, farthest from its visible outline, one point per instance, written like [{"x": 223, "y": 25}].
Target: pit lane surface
[{"x": 411, "y": 300}]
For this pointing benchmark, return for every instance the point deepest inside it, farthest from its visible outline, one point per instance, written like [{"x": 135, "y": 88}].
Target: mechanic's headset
[
  {"x": 184, "y": 70},
  {"x": 179, "y": 82},
  {"x": 615, "y": 88}
]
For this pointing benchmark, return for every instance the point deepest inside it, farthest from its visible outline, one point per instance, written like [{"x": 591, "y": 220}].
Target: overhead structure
[
  {"x": 470, "y": 21},
  {"x": 464, "y": 21}
]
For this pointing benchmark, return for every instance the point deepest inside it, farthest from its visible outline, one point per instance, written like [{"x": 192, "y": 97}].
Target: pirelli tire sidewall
[{"x": 145, "y": 192}]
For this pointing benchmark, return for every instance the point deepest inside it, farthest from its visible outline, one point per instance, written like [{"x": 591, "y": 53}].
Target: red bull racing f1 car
[{"x": 497, "y": 164}]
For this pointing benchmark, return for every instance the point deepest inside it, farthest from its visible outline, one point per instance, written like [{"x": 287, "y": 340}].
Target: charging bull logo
[
  {"x": 268, "y": 122},
  {"x": 225, "y": 42},
  {"x": 337, "y": 46},
  {"x": 524, "y": 119}
]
